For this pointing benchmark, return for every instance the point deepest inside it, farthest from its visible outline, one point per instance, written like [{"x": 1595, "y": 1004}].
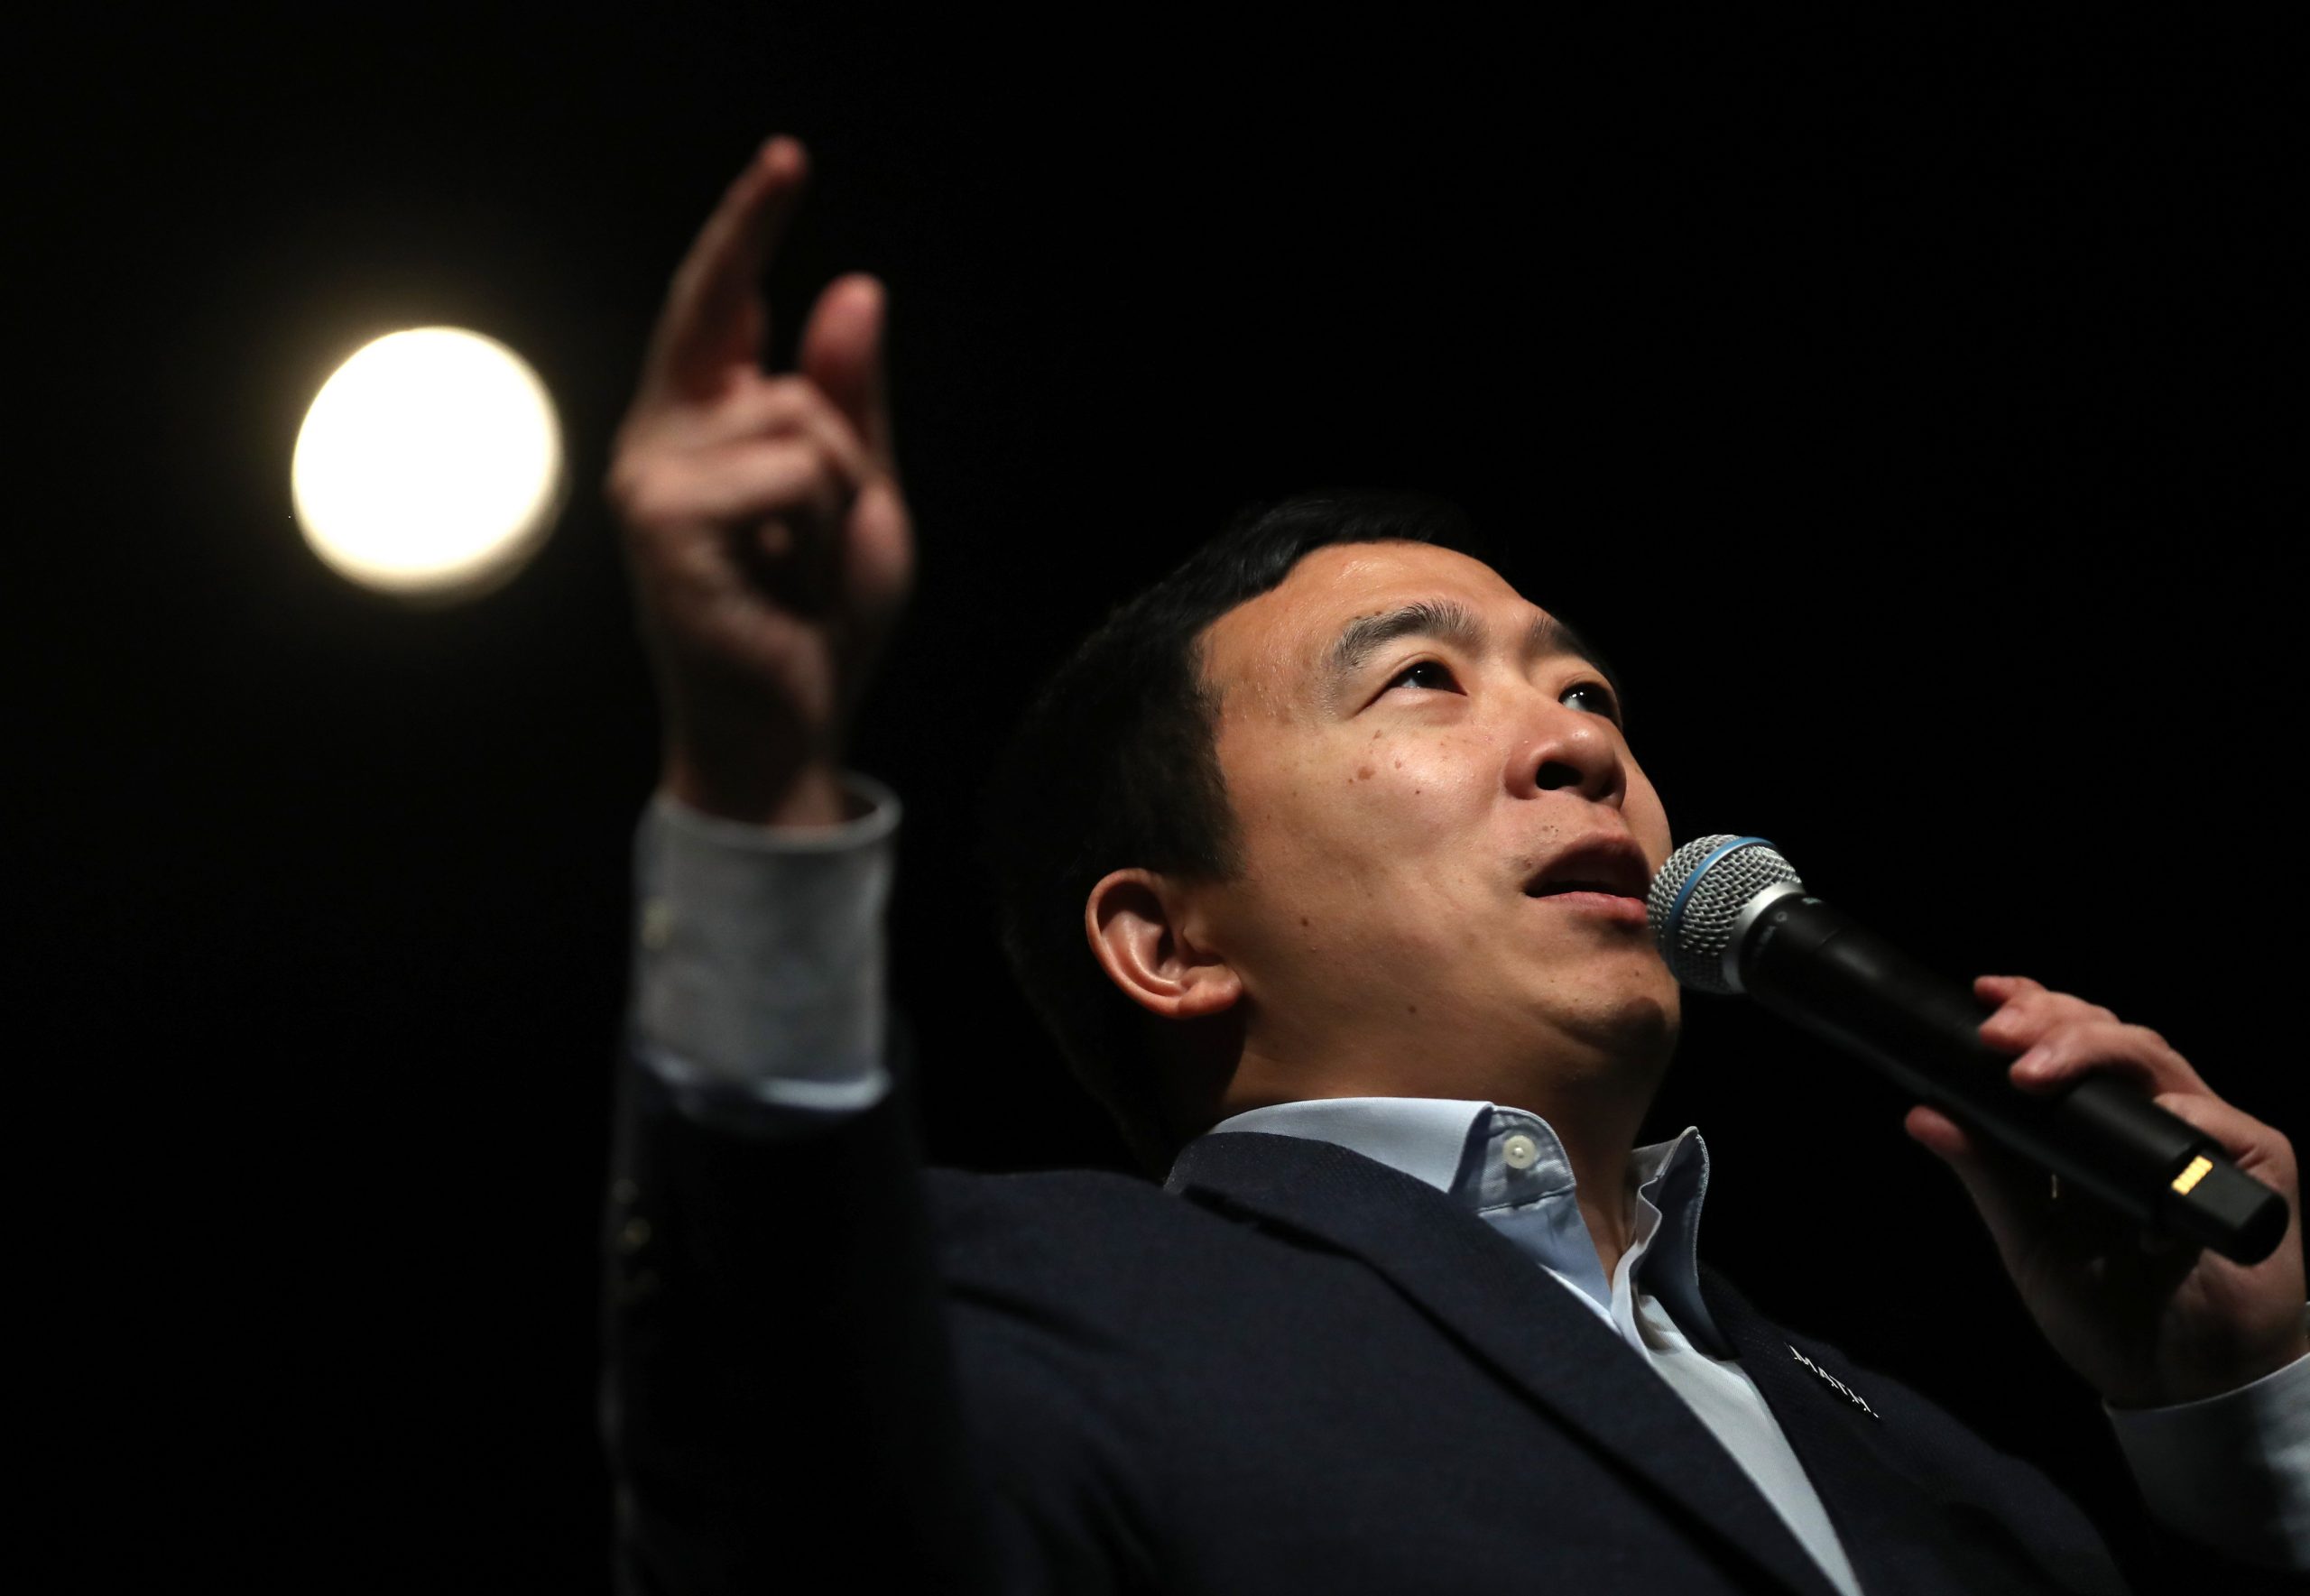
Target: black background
[{"x": 1913, "y": 411}]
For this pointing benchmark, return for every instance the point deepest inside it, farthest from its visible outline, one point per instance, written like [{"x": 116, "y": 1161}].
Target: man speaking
[{"x": 1324, "y": 860}]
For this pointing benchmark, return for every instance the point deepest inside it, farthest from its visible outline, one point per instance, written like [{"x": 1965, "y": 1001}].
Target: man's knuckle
[
  {"x": 651, "y": 499},
  {"x": 622, "y": 486},
  {"x": 788, "y": 395},
  {"x": 830, "y": 470},
  {"x": 809, "y": 452}
]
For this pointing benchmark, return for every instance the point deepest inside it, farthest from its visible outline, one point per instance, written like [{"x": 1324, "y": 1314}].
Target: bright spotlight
[{"x": 430, "y": 465}]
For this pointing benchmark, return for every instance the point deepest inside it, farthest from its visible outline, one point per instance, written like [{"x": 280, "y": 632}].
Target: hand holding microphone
[{"x": 2112, "y": 1271}]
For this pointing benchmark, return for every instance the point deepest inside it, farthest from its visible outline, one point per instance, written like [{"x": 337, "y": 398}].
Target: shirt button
[
  {"x": 657, "y": 925},
  {"x": 1520, "y": 1151}
]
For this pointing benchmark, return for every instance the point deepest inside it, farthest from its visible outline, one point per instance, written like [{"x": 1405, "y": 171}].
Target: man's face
[{"x": 1395, "y": 814}]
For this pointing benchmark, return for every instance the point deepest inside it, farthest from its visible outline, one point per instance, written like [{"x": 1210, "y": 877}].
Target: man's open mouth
[{"x": 1609, "y": 863}]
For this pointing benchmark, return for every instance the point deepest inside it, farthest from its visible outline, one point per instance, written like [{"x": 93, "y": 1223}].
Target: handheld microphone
[{"x": 1730, "y": 915}]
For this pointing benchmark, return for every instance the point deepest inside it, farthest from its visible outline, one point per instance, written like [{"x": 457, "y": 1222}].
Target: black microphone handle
[{"x": 1805, "y": 961}]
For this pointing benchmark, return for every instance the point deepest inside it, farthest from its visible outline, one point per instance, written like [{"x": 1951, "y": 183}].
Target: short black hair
[{"x": 1115, "y": 764}]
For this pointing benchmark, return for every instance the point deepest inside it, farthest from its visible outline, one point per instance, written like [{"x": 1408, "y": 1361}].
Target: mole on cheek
[{"x": 1363, "y": 772}]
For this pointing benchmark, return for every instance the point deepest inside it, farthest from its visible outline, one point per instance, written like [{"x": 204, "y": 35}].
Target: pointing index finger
[{"x": 714, "y": 316}]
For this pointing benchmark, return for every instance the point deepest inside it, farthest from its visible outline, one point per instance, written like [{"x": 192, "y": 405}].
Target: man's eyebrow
[{"x": 1448, "y": 621}]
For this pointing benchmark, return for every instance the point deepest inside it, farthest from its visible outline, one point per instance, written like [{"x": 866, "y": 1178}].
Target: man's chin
[{"x": 1638, "y": 1020}]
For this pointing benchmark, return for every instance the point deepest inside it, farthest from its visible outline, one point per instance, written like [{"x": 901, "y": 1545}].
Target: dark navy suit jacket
[{"x": 1301, "y": 1371}]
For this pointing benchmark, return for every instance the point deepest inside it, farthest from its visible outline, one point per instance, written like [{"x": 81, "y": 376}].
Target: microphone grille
[{"x": 1699, "y": 896}]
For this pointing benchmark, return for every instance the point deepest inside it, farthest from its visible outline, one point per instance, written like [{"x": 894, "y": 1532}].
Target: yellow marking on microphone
[{"x": 2195, "y": 1173}]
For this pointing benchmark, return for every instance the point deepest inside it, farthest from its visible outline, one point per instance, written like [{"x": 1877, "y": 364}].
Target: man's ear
[{"x": 1135, "y": 920}]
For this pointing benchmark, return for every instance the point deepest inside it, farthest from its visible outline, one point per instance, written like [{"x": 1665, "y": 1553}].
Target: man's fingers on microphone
[
  {"x": 2000, "y": 1185},
  {"x": 2027, "y": 1015},
  {"x": 2238, "y": 1132},
  {"x": 2133, "y": 1053},
  {"x": 1970, "y": 1156},
  {"x": 1937, "y": 1132}
]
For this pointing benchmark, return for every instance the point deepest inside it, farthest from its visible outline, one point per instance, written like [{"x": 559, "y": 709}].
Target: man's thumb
[
  {"x": 2003, "y": 1186},
  {"x": 842, "y": 353}
]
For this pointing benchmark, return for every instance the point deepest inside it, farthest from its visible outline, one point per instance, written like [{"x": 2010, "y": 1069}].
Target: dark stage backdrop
[{"x": 1916, "y": 415}]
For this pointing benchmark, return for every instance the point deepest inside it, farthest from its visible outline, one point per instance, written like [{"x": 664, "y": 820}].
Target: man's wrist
[
  {"x": 813, "y": 795},
  {"x": 2200, "y": 1384}
]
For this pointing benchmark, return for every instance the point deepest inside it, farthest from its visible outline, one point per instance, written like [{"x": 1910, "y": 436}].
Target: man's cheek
[{"x": 1438, "y": 812}]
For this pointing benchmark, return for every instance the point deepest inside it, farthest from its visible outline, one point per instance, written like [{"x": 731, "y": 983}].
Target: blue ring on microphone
[{"x": 1677, "y": 909}]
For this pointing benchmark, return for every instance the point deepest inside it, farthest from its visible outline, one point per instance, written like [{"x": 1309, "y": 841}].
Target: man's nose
[{"x": 1561, "y": 747}]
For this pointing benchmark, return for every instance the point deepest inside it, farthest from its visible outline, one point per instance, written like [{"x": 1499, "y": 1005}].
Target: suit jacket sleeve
[
  {"x": 2157, "y": 1558},
  {"x": 780, "y": 1405},
  {"x": 778, "y": 1391}
]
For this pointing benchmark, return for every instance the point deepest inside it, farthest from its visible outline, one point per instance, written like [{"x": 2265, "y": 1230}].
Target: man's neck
[{"x": 1610, "y": 1224}]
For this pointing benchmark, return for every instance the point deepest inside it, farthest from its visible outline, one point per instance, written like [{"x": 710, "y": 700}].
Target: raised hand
[
  {"x": 771, "y": 547},
  {"x": 2146, "y": 1321}
]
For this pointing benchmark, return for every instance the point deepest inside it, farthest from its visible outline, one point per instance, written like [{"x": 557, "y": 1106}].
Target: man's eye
[
  {"x": 1435, "y": 664},
  {"x": 1608, "y": 704}
]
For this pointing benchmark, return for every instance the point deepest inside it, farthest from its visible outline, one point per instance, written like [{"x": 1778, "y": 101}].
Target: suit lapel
[
  {"x": 1496, "y": 1302},
  {"x": 1848, "y": 1455}
]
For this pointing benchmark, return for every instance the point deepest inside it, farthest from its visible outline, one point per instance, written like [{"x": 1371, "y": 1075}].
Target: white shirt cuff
[
  {"x": 2231, "y": 1471},
  {"x": 759, "y": 956}
]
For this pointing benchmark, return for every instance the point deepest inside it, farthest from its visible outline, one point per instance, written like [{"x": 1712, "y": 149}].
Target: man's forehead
[{"x": 1278, "y": 644}]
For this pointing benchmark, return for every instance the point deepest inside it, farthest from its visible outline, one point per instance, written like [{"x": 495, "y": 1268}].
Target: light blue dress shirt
[{"x": 757, "y": 998}]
